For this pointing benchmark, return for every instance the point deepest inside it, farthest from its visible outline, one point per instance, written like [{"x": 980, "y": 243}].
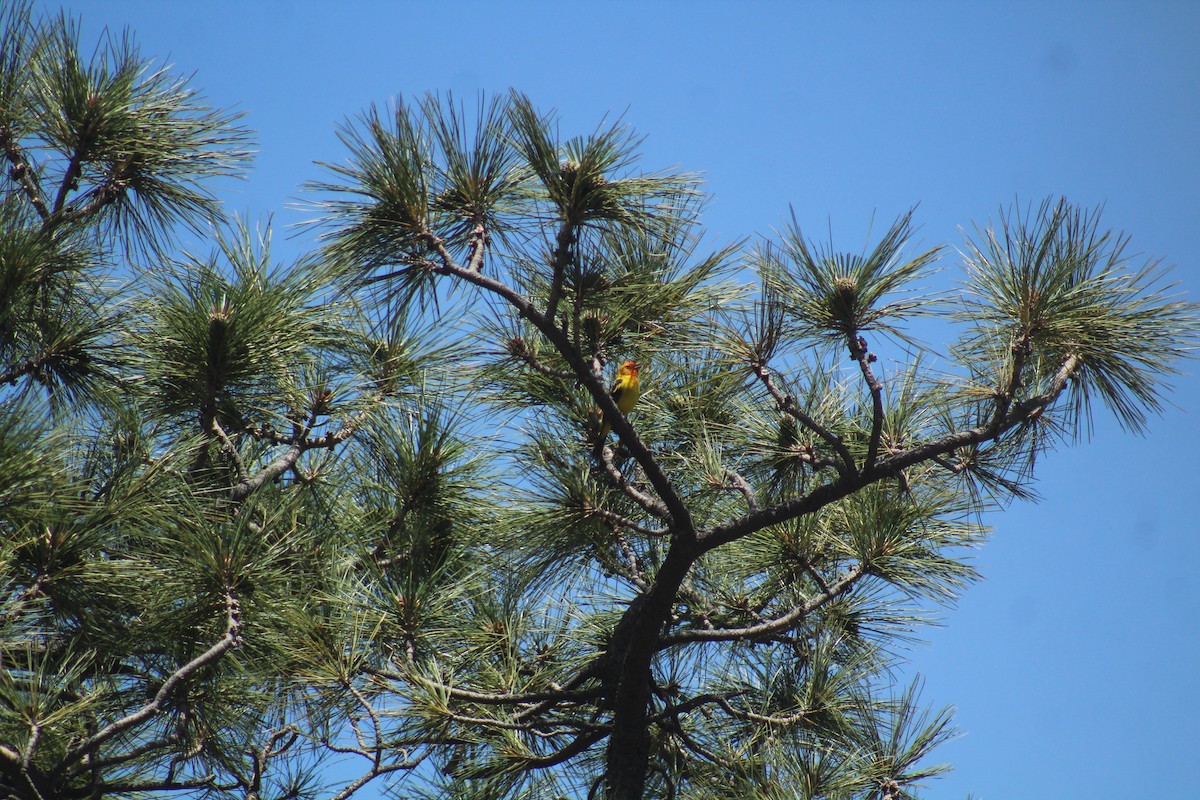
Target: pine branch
[
  {"x": 773, "y": 627},
  {"x": 673, "y": 710},
  {"x": 229, "y": 448},
  {"x": 486, "y": 698},
  {"x": 298, "y": 444},
  {"x": 378, "y": 770},
  {"x": 228, "y": 641},
  {"x": 679, "y": 515},
  {"x": 477, "y": 247},
  {"x": 150, "y": 786},
  {"x": 70, "y": 181},
  {"x": 621, "y": 522},
  {"x": 859, "y": 352},
  {"x": 891, "y": 466},
  {"x": 649, "y": 504},
  {"x": 740, "y": 484},
  {"x": 787, "y": 404},
  {"x": 763, "y": 719},
  {"x": 1017, "y": 415},
  {"x": 561, "y": 258},
  {"x": 579, "y": 745},
  {"x": 94, "y": 765},
  {"x": 22, "y": 172}
]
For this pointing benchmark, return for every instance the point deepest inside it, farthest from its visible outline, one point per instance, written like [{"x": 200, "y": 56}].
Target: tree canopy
[{"x": 299, "y": 529}]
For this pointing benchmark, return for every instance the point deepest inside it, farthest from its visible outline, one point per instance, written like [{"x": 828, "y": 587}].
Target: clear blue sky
[{"x": 1073, "y": 665}]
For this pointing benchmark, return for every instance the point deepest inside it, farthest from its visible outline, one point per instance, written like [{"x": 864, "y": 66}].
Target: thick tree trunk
[{"x": 628, "y": 756}]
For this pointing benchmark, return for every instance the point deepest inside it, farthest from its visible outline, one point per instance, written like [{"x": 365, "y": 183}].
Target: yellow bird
[{"x": 625, "y": 391}]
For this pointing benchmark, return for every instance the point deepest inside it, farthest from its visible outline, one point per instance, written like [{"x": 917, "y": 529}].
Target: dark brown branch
[
  {"x": 859, "y": 352},
  {"x": 627, "y": 670},
  {"x": 816, "y": 499},
  {"x": 560, "y": 259}
]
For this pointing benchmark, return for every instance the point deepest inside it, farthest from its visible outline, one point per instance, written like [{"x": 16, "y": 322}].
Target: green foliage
[
  {"x": 839, "y": 295},
  {"x": 136, "y": 144},
  {"x": 257, "y": 519},
  {"x": 233, "y": 326},
  {"x": 1052, "y": 284}
]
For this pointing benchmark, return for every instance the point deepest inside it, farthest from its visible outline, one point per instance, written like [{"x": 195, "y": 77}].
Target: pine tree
[{"x": 257, "y": 519}]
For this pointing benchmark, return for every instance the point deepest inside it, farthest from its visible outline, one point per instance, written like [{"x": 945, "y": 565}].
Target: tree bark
[{"x": 627, "y": 759}]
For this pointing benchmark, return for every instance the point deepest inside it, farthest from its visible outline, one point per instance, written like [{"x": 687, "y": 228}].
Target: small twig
[
  {"x": 515, "y": 699},
  {"x": 816, "y": 576},
  {"x": 35, "y": 733},
  {"x": 1005, "y": 396},
  {"x": 298, "y": 444},
  {"x": 958, "y": 468},
  {"x": 526, "y": 727},
  {"x": 70, "y": 182},
  {"x": 583, "y": 742},
  {"x": 477, "y": 247},
  {"x": 517, "y": 348},
  {"x": 635, "y": 570},
  {"x": 377, "y": 770},
  {"x": 94, "y": 765},
  {"x": 674, "y": 710}
]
